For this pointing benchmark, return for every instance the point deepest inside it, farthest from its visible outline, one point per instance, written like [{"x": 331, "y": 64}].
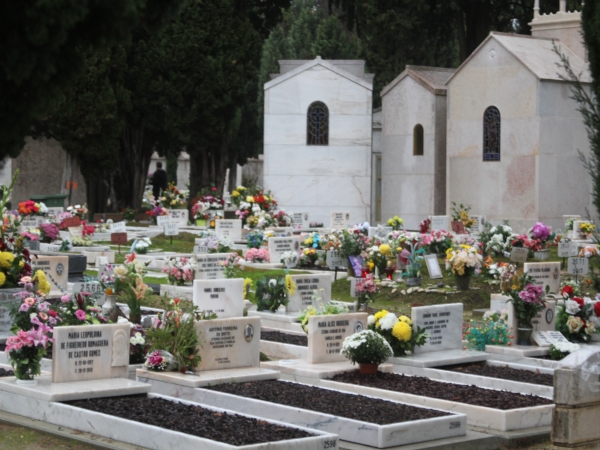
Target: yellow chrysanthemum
[
  {"x": 235, "y": 194},
  {"x": 247, "y": 286},
  {"x": 385, "y": 249},
  {"x": 250, "y": 199},
  {"x": 6, "y": 259},
  {"x": 290, "y": 285},
  {"x": 2, "y": 278},
  {"x": 405, "y": 319},
  {"x": 402, "y": 331},
  {"x": 43, "y": 285},
  {"x": 380, "y": 315},
  {"x": 371, "y": 265}
]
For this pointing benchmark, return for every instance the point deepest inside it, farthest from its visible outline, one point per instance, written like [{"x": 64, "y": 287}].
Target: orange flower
[{"x": 109, "y": 291}]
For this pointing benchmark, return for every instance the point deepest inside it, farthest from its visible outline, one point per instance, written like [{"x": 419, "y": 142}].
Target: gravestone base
[
  {"x": 518, "y": 350},
  {"x": 76, "y": 390},
  {"x": 276, "y": 321},
  {"x": 204, "y": 378},
  {"x": 182, "y": 292},
  {"x": 296, "y": 369},
  {"x": 438, "y": 359}
]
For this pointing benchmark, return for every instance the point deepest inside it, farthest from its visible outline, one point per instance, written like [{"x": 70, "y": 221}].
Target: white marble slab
[
  {"x": 518, "y": 350},
  {"x": 476, "y": 380},
  {"x": 479, "y": 416},
  {"x": 525, "y": 361},
  {"x": 327, "y": 333},
  {"x": 208, "y": 377},
  {"x": 279, "y": 350},
  {"x": 278, "y": 321},
  {"x": 142, "y": 435},
  {"x": 443, "y": 323},
  {"x": 361, "y": 432},
  {"x": 306, "y": 286},
  {"x": 223, "y": 297},
  {"x": 436, "y": 359},
  {"x": 183, "y": 292},
  {"x": 301, "y": 368},
  {"x": 77, "y": 390},
  {"x": 533, "y": 368}
]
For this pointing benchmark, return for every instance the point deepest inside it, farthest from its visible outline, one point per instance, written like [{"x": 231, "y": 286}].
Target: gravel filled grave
[
  {"x": 504, "y": 373},
  {"x": 284, "y": 338},
  {"x": 350, "y": 406},
  {"x": 6, "y": 373},
  {"x": 425, "y": 387},
  {"x": 231, "y": 429}
]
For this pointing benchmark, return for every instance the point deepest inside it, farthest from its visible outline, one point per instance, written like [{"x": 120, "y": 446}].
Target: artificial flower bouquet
[
  {"x": 397, "y": 331},
  {"x": 463, "y": 260},
  {"x": 282, "y": 219},
  {"x": 412, "y": 258},
  {"x": 137, "y": 344},
  {"x": 366, "y": 347},
  {"x": 87, "y": 230},
  {"x": 160, "y": 361},
  {"x": 587, "y": 227},
  {"x": 395, "y": 222},
  {"x": 49, "y": 232},
  {"x": 200, "y": 210},
  {"x": 81, "y": 241},
  {"x": 438, "y": 242},
  {"x": 254, "y": 207},
  {"x": 313, "y": 240},
  {"x": 257, "y": 255},
  {"x": 130, "y": 286},
  {"x": 255, "y": 239},
  {"x": 290, "y": 258},
  {"x": 560, "y": 350},
  {"x": 173, "y": 198},
  {"x": 308, "y": 258},
  {"x": 493, "y": 330},
  {"x": 460, "y": 213},
  {"x": 31, "y": 208},
  {"x": 542, "y": 233},
  {"x": 378, "y": 257},
  {"x": 365, "y": 290},
  {"x": 588, "y": 251},
  {"x": 142, "y": 245},
  {"x": 577, "y": 318},
  {"x": 80, "y": 211},
  {"x": 210, "y": 241},
  {"x": 497, "y": 239},
  {"x": 353, "y": 243},
  {"x": 424, "y": 226},
  {"x": 232, "y": 268},
  {"x": 80, "y": 309},
  {"x": 271, "y": 293},
  {"x": 157, "y": 211},
  {"x": 180, "y": 270},
  {"x": 527, "y": 299}
]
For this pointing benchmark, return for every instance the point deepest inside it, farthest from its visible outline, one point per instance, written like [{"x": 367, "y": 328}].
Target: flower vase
[
  {"x": 200, "y": 222},
  {"x": 463, "y": 282},
  {"x": 110, "y": 302},
  {"x": 290, "y": 264},
  {"x": 367, "y": 368},
  {"x": 524, "y": 334}
]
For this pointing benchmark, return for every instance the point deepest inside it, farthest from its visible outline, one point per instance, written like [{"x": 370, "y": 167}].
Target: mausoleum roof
[
  {"x": 537, "y": 55},
  {"x": 291, "y": 68},
  {"x": 432, "y": 78}
]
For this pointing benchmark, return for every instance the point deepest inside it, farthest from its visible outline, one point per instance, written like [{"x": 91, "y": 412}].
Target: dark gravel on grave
[
  {"x": 284, "y": 338},
  {"x": 425, "y": 387},
  {"x": 350, "y": 406},
  {"x": 6, "y": 373},
  {"x": 231, "y": 429},
  {"x": 504, "y": 373}
]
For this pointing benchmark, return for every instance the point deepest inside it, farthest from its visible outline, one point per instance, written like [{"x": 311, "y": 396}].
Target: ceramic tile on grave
[
  {"x": 208, "y": 266},
  {"x": 443, "y": 323},
  {"x": 545, "y": 274},
  {"x": 229, "y": 343},
  {"x": 90, "y": 352},
  {"x": 56, "y": 269},
  {"x": 224, "y": 297},
  {"x": 280, "y": 245},
  {"x": 327, "y": 333},
  {"x": 306, "y": 285},
  {"x": 230, "y": 229}
]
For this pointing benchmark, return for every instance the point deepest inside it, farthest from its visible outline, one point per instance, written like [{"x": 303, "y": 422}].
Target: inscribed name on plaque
[
  {"x": 307, "y": 286},
  {"x": 280, "y": 245},
  {"x": 179, "y": 216},
  {"x": 340, "y": 220},
  {"x": 578, "y": 266},
  {"x": 229, "y": 343},
  {"x": 229, "y": 228},
  {"x": 209, "y": 267},
  {"x": 56, "y": 269},
  {"x": 334, "y": 260},
  {"x": 171, "y": 229},
  {"x": 327, "y": 333},
  {"x": 161, "y": 221},
  {"x": 223, "y": 297},
  {"x": 567, "y": 249},
  {"x": 479, "y": 223},
  {"x": 518, "y": 254},
  {"x": 545, "y": 274},
  {"x": 443, "y": 323},
  {"x": 90, "y": 352},
  {"x": 440, "y": 223},
  {"x": 300, "y": 219},
  {"x": 118, "y": 227}
]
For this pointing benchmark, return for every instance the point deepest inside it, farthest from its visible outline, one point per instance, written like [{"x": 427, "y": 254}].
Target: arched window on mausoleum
[
  {"x": 491, "y": 134},
  {"x": 317, "y": 124},
  {"x": 418, "y": 136}
]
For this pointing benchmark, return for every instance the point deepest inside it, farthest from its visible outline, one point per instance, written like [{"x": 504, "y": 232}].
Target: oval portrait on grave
[
  {"x": 296, "y": 245},
  {"x": 549, "y": 316},
  {"x": 555, "y": 274},
  {"x": 358, "y": 327},
  {"x": 248, "y": 332},
  {"x": 60, "y": 268}
]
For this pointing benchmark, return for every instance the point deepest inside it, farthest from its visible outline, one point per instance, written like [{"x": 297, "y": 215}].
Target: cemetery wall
[
  {"x": 319, "y": 179},
  {"x": 410, "y": 182}
]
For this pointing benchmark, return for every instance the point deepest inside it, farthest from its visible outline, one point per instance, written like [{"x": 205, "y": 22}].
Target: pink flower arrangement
[
  {"x": 532, "y": 294},
  {"x": 156, "y": 361},
  {"x": 257, "y": 255},
  {"x": 80, "y": 314},
  {"x": 49, "y": 232},
  {"x": 30, "y": 236},
  {"x": 366, "y": 285},
  {"x": 541, "y": 232},
  {"x": 180, "y": 270}
]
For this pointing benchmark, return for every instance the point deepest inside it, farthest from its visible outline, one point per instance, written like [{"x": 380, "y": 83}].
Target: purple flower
[
  {"x": 24, "y": 307},
  {"x": 43, "y": 307},
  {"x": 531, "y": 294},
  {"x": 541, "y": 231},
  {"x": 80, "y": 314}
]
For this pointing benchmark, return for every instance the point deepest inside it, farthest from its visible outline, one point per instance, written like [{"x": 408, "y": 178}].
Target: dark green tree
[
  {"x": 334, "y": 42},
  {"x": 41, "y": 43}
]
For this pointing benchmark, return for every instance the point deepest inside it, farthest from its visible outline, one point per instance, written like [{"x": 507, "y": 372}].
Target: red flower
[
  {"x": 579, "y": 300},
  {"x": 597, "y": 308},
  {"x": 52, "y": 313},
  {"x": 567, "y": 291},
  {"x": 213, "y": 189}
]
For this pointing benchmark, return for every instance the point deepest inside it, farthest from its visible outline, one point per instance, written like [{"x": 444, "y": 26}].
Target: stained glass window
[
  {"x": 418, "y": 140},
  {"x": 317, "y": 124},
  {"x": 491, "y": 134}
]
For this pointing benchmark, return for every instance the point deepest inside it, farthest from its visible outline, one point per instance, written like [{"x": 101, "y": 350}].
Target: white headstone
[
  {"x": 327, "y": 333},
  {"x": 443, "y": 324},
  {"x": 479, "y": 223},
  {"x": 300, "y": 219},
  {"x": 54, "y": 211},
  {"x": 518, "y": 254},
  {"x": 229, "y": 228},
  {"x": 179, "y": 216},
  {"x": 340, "y": 220},
  {"x": 545, "y": 274},
  {"x": 76, "y": 231},
  {"x": 90, "y": 352},
  {"x": 306, "y": 285},
  {"x": 208, "y": 266},
  {"x": 56, "y": 269},
  {"x": 224, "y": 297},
  {"x": 440, "y": 223},
  {"x": 280, "y": 245}
]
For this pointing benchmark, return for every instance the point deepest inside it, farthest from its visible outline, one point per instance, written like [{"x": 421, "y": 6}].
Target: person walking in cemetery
[{"x": 159, "y": 180}]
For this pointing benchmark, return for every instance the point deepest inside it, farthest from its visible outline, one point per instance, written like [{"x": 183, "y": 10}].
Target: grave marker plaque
[
  {"x": 162, "y": 220},
  {"x": 479, "y": 223},
  {"x": 518, "y": 254},
  {"x": 567, "y": 249},
  {"x": 76, "y": 231},
  {"x": 546, "y": 318},
  {"x": 118, "y": 238},
  {"x": 578, "y": 266},
  {"x": 230, "y": 229},
  {"x": 545, "y": 274},
  {"x": 56, "y": 269},
  {"x": 179, "y": 216},
  {"x": 280, "y": 245},
  {"x": 208, "y": 266},
  {"x": 327, "y": 333},
  {"x": 300, "y": 219},
  {"x": 379, "y": 232},
  {"x": 171, "y": 229},
  {"x": 90, "y": 352},
  {"x": 440, "y": 223},
  {"x": 340, "y": 220},
  {"x": 306, "y": 285},
  {"x": 223, "y": 297},
  {"x": 118, "y": 227},
  {"x": 334, "y": 260},
  {"x": 71, "y": 222},
  {"x": 49, "y": 247},
  {"x": 443, "y": 324}
]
